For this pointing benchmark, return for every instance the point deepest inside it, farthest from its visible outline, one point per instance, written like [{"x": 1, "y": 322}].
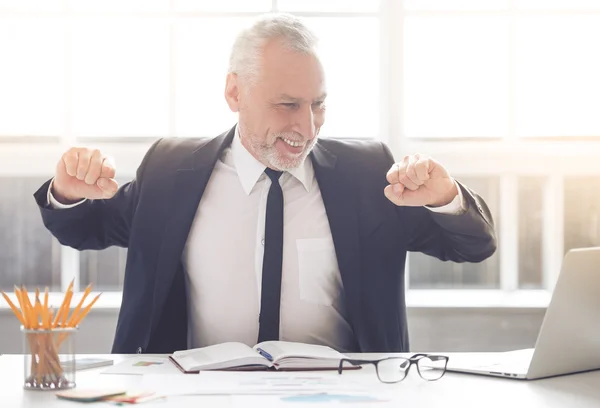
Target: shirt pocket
[{"x": 318, "y": 271}]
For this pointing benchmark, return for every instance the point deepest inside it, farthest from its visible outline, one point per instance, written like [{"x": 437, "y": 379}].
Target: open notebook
[{"x": 279, "y": 355}]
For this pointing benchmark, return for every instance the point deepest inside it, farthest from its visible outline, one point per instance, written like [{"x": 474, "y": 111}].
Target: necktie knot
[{"x": 273, "y": 174}]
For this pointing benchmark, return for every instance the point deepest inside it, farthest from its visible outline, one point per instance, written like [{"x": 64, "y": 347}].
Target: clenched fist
[
  {"x": 84, "y": 173},
  {"x": 419, "y": 180}
]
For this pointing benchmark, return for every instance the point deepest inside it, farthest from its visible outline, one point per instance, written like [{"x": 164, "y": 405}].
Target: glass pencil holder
[{"x": 49, "y": 357}]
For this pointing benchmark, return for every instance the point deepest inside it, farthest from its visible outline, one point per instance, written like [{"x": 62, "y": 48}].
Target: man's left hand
[{"x": 419, "y": 180}]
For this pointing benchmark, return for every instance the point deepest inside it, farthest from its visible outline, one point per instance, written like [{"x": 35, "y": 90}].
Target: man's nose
[{"x": 305, "y": 122}]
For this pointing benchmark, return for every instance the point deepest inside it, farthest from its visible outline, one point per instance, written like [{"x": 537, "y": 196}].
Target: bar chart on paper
[{"x": 144, "y": 365}]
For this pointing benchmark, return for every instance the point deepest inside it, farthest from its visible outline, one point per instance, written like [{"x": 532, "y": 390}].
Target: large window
[
  {"x": 503, "y": 93},
  {"x": 506, "y": 91}
]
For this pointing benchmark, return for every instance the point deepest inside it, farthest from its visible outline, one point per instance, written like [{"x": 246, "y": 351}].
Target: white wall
[{"x": 431, "y": 329}]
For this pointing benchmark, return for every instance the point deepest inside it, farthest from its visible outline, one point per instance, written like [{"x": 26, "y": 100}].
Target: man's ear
[{"x": 232, "y": 92}]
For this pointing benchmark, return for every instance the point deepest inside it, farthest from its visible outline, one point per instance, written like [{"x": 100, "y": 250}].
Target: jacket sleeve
[
  {"x": 95, "y": 224},
  {"x": 466, "y": 237}
]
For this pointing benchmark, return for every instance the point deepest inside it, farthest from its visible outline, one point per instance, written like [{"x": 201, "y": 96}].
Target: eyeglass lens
[
  {"x": 392, "y": 369},
  {"x": 431, "y": 367}
]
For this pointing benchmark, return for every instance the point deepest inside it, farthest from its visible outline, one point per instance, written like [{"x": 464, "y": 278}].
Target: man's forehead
[{"x": 300, "y": 98}]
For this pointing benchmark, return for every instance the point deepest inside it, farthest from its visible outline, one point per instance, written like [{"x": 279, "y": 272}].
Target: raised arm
[
  {"x": 95, "y": 213},
  {"x": 426, "y": 197}
]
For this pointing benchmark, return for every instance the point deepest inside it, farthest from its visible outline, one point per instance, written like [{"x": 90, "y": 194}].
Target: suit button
[{"x": 139, "y": 350}]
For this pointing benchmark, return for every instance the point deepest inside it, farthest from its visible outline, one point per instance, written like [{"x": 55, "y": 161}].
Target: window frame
[{"x": 528, "y": 156}]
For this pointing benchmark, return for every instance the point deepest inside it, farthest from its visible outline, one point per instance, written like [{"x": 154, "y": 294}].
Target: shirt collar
[{"x": 250, "y": 170}]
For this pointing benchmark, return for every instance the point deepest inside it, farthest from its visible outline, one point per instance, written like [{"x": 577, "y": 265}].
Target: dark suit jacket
[{"x": 152, "y": 216}]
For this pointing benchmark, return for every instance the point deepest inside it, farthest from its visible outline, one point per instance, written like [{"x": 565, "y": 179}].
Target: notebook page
[
  {"x": 218, "y": 356},
  {"x": 283, "y": 349}
]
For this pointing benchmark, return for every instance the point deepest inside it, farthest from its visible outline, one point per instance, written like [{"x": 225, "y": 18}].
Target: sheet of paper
[
  {"x": 324, "y": 399},
  {"x": 144, "y": 365},
  {"x": 249, "y": 383}
]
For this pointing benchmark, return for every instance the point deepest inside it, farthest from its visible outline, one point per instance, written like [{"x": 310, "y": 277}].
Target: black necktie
[{"x": 271, "y": 272}]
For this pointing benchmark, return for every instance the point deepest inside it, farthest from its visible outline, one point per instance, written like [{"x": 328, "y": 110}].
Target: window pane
[
  {"x": 456, "y": 76},
  {"x": 352, "y": 74},
  {"x": 223, "y": 5},
  {"x": 31, "y": 5},
  {"x": 32, "y": 78},
  {"x": 427, "y": 272},
  {"x": 531, "y": 192},
  {"x": 30, "y": 256},
  {"x": 329, "y": 5},
  {"x": 557, "y": 81},
  {"x": 119, "y": 5},
  {"x": 120, "y": 77},
  {"x": 455, "y": 4},
  {"x": 558, "y": 4},
  {"x": 582, "y": 212},
  {"x": 200, "y": 85},
  {"x": 105, "y": 270}
]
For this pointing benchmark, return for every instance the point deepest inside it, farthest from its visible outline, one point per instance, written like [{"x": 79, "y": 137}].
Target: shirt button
[
  {"x": 139, "y": 350},
  {"x": 262, "y": 242}
]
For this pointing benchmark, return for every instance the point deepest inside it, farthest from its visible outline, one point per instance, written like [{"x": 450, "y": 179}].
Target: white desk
[{"x": 453, "y": 390}]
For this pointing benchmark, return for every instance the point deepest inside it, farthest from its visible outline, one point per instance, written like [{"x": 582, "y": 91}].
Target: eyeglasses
[{"x": 394, "y": 369}]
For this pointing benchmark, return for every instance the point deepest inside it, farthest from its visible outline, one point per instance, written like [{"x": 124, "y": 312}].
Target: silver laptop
[{"x": 569, "y": 339}]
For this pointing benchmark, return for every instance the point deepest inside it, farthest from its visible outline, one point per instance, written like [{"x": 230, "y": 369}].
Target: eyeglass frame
[{"x": 414, "y": 359}]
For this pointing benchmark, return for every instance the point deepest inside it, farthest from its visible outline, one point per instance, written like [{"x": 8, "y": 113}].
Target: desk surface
[{"x": 453, "y": 390}]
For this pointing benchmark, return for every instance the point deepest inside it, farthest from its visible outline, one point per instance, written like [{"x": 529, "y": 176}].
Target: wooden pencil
[
  {"x": 66, "y": 309},
  {"x": 58, "y": 317},
  {"x": 79, "y": 305},
  {"x": 14, "y": 309},
  {"x": 85, "y": 311},
  {"x": 28, "y": 307}
]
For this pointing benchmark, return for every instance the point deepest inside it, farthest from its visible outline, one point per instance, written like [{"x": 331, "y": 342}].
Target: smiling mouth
[{"x": 293, "y": 143}]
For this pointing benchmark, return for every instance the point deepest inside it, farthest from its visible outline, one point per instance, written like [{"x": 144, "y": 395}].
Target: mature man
[{"x": 266, "y": 232}]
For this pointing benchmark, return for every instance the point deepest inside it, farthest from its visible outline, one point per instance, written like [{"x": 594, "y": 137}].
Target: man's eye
[
  {"x": 318, "y": 105},
  {"x": 290, "y": 105}
]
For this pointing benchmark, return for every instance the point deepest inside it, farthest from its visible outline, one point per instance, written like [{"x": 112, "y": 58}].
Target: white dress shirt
[{"x": 224, "y": 250}]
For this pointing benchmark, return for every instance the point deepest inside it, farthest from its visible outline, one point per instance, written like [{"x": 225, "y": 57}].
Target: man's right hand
[{"x": 84, "y": 173}]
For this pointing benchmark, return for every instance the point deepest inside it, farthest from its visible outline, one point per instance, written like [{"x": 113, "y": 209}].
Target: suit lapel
[
  {"x": 188, "y": 186},
  {"x": 340, "y": 205}
]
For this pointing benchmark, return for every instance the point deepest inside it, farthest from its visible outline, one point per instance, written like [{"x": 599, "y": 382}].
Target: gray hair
[{"x": 245, "y": 54}]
